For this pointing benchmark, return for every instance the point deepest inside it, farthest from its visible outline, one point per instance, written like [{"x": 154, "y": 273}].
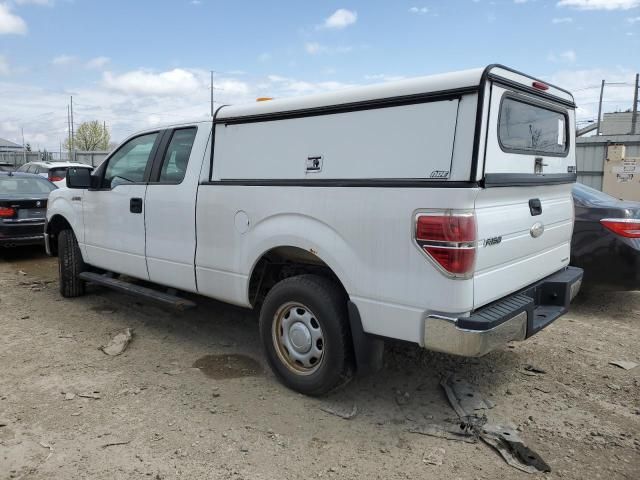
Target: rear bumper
[
  {"x": 28, "y": 233},
  {"x": 515, "y": 317}
]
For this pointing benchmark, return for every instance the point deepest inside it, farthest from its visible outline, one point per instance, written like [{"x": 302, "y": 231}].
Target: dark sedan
[
  {"x": 23, "y": 208},
  {"x": 606, "y": 236}
]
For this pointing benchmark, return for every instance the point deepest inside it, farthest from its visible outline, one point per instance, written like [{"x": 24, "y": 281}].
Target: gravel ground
[{"x": 67, "y": 410}]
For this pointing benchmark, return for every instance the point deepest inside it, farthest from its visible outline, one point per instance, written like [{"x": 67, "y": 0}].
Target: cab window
[
  {"x": 176, "y": 158},
  {"x": 129, "y": 163}
]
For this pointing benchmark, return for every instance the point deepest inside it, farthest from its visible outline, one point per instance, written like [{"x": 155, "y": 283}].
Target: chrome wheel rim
[{"x": 298, "y": 338}]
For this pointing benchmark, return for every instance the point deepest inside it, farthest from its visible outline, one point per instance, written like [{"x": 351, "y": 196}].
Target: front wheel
[
  {"x": 70, "y": 265},
  {"x": 305, "y": 334}
]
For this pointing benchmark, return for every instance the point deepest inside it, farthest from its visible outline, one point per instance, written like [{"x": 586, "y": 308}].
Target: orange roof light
[{"x": 263, "y": 99}]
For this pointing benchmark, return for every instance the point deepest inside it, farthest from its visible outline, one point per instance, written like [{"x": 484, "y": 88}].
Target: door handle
[{"x": 135, "y": 205}]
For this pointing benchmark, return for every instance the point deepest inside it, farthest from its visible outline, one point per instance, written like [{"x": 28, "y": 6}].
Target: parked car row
[{"x": 605, "y": 242}]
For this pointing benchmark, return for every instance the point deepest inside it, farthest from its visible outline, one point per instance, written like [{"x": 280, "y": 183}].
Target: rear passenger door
[{"x": 170, "y": 208}]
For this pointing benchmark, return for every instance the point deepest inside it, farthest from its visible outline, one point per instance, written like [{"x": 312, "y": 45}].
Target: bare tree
[{"x": 90, "y": 136}]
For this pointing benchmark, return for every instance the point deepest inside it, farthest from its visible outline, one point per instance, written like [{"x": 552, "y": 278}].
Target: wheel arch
[
  {"x": 282, "y": 261},
  {"x": 55, "y": 225}
]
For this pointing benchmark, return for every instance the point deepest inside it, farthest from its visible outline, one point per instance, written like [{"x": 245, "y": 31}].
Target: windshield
[
  {"x": 527, "y": 128},
  {"x": 19, "y": 185}
]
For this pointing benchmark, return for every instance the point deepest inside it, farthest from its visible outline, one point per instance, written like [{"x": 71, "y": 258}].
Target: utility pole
[
  {"x": 600, "y": 107},
  {"x": 68, "y": 134},
  {"x": 72, "y": 132},
  {"x": 24, "y": 150},
  {"x": 634, "y": 115},
  {"x": 104, "y": 134},
  {"x": 211, "y": 93}
]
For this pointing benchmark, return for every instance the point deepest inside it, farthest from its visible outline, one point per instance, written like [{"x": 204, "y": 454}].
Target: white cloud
[
  {"x": 599, "y": 4},
  {"x": 63, "y": 60},
  {"x": 46, "y": 3},
  {"x": 340, "y": 19},
  {"x": 172, "y": 82},
  {"x": 419, "y": 10},
  {"x": 382, "y": 77},
  {"x": 633, "y": 20},
  {"x": 520, "y": 1},
  {"x": 98, "y": 62},
  {"x": 5, "y": 69},
  {"x": 568, "y": 56},
  {"x": 562, "y": 20},
  {"x": 10, "y": 23},
  {"x": 196, "y": 2},
  {"x": 314, "y": 48}
]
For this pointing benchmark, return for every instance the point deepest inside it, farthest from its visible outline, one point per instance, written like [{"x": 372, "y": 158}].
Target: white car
[
  {"x": 55, "y": 172},
  {"x": 434, "y": 210}
]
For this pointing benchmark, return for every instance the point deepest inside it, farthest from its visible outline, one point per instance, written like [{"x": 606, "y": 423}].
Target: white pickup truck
[{"x": 434, "y": 210}]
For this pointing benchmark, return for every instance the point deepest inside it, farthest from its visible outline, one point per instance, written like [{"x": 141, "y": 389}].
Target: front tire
[
  {"x": 70, "y": 265},
  {"x": 304, "y": 329}
]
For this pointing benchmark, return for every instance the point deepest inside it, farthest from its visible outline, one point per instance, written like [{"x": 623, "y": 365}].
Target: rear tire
[
  {"x": 304, "y": 328},
  {"x": 70, "y": 265}
]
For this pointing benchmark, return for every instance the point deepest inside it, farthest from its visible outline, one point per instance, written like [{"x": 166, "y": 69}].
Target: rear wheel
[
  {"x": 70, "y": 265},
  {"x": 305, "y": 334}
]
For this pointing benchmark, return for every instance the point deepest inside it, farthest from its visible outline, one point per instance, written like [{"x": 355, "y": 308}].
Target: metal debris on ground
[
  {"x": 92, "y": 395},
  {"x": 627, "y": 365},
  {"x": 434, "y": 457},
  {"x": 113, "y": 444},
  {"x": 46, "y": 445},
  {"x": 118, "y": 343},
  {"x": 448, "y": 432},
  {"x": 463, "y": 398},
  {"x": 473, "y": 425},
  {"x": 341, "y": 411}
]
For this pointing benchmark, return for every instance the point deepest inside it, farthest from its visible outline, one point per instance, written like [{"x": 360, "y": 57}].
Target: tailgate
[
  {"x": 524, "y": 215},
  {"x": 517, "y": 245}
]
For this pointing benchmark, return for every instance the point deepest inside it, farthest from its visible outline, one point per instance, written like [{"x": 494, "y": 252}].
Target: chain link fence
[{"x": 20, "y": 158}]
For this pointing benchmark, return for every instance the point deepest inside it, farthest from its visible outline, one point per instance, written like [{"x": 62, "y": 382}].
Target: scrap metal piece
[
  {"x": 627, "y": 365},
  {"x": 510, "y": 446},
  {"x": 341, "y": 411},
  {"x": 118, "y": 343},
  {"x": 464, "y": 399},
  {"x": 448, "y": 432}
]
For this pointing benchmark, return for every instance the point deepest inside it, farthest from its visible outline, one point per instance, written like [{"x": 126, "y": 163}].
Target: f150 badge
[{"x": 489, "y": 242}]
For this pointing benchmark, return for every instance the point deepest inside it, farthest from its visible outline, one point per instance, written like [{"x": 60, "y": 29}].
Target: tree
[
  {"x": 89, "y": 137},
  {"x": 27, "y": 147}
]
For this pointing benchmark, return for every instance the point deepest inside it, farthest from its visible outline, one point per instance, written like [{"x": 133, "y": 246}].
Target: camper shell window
[{"x": 528, "y": 127}]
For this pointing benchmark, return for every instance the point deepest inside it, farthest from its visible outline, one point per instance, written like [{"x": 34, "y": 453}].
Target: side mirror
[{"x": 78, "y": 178}]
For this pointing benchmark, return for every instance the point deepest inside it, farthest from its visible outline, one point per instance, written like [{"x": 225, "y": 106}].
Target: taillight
[
  {"x": 625, "y": 227},
  {"x": 55, "y": 178},
  {"x": 7, "y": 212},
  {"x": 448, "y": 238}
]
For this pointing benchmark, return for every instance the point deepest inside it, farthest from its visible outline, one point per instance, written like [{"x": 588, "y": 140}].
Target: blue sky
[{"x": 138, "y": 63}]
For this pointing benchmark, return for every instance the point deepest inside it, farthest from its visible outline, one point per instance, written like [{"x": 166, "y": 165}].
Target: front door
[{"x": 114, "y": 213}]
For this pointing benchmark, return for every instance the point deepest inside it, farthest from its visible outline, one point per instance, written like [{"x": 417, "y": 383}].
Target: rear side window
[
  {"x": 176, "y": 158},
  {"x": 531, "y": 129}
]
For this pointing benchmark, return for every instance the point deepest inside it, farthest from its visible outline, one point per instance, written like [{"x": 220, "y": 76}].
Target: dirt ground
[{"x": 67, "y": 410}]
